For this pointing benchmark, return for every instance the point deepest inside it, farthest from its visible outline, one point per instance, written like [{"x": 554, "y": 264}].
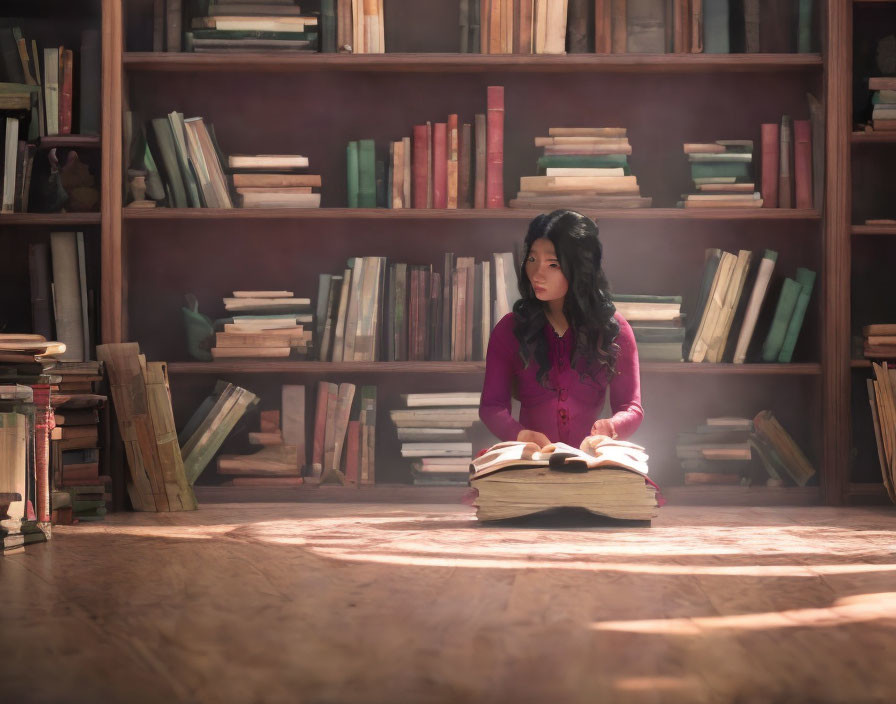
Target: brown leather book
[
  {"x": 480, "y": 165},
  {"x": 419, "y": 169},
  {"x": 603, "y": 26},
  {"x": 451, "y": 171},
  {"x": 771, "y": 149},
  {"x": 320, "y": 424},
  {"x": 464, "y": 185},
  {"x": 440, "y": 165},
  {"x": 802, "y": 162},
  {"x": 618, "y": 26},
  {"x": 494, "y": 181},
  {"x": 696, "y": 26}
]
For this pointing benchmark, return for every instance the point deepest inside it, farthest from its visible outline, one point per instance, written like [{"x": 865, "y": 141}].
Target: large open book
[{"x": 517, "y": 479}]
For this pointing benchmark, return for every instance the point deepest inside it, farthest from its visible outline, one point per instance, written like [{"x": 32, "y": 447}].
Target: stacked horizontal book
[
  {"x": 879, "y": 341},
  {"x": 719, "y": 452},
  {"x": 238, "y": 25},
  {"x": 440, "y": 455},
  {"x": 264, "y": 324},
  {"x": 582, "y": 167},
  {"x": 722, "y": 175},
  {"x": 883, "y": 102},
  {"x": 273, "y": 181},
  {"x": 515, "y": 479},
  {"x": 657, "y": 324}
]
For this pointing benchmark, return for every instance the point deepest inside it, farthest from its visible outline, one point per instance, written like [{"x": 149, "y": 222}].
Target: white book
[
  {"x": 451, "y": 398},
  {"x": 11, "y": 145},
  {"x": 727, "y": 156},
  {"x": 51, "y": 89},
  {"x": 760, "y": 287},
  {"x": 267, "y": 161},
  {"x": 560, "y": 171},
  {"x": 713, "y": 308},
  {"x": 262, "y": 294}
]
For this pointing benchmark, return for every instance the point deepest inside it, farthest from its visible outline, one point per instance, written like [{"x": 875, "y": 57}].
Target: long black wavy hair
[{"x": 588, "y": 306}]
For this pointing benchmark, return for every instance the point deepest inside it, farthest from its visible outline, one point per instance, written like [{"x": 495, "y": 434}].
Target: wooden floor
[{"x": 332, "y": 603}]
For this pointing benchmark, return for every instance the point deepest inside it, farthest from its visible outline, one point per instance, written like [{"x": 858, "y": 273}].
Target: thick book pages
[
  {"x": 763, "y": 276},
  {"x": 790, "y": 291},
  {"x": 732, "y": 297},
  {"x": 494, "y": 182},
  {"x": 771, "y": 149},
  {"x": 802, "y": 158},
  {"x": 806, "y": 279}
]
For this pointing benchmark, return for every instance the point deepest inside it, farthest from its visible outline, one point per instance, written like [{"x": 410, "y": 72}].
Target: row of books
[
  {"x": 722, "y": 308},
  {"x": 582, "y": 167},
  {"x": 380, "y": 311},
  {"x": 40, "y": 84},
  {"x": 433, "y": 429},
  {"x": 637, "y": 26},
  {"x": 723, "y": 450},
  {"x": 449, "y": 164},
  {"x": 787, "y": 164}
]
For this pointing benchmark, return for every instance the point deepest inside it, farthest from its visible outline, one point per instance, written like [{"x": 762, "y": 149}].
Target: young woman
[{"x": 563, "y": 345}]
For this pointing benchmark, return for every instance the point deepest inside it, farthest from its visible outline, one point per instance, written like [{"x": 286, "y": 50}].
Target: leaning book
[{"x": 516, "y": 479}]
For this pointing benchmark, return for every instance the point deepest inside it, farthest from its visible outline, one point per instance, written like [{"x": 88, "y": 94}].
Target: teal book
[
  {"x": 165, "y": 141},
  {"x": 804, "y": 27},
  {"x": 716, "y": 32},
  {"x": 706, "y": 169},
  {"x": 771, "y": 348},
  {"x": 582, "y": 161},
  {"x": 806, "y": 279},
  {"x": 328, "y": 26},
  {"x": 351, "y": 166},
  {"x": 366, "y": 174}
]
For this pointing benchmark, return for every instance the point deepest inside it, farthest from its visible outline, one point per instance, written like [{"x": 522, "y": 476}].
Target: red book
[
  {"x": 479, "y": 175},
  {"x": 453, "y": 144},
  {"x": 320, "y": 421},
  {"x": 770, "y": 155},
  {"x": 429, "y": 165},
  {"x": 802, "y": 162},
  {"x": 440, "y": 165},
  {"x": 420, "y": 157},
  {"x": 352, "y": 454},
  {"x": 65, "y": 92},
  {"x": 603, "y": 23},
  {"x": 494, "y": 149},
  {"x": 43, "y": 424},
  {"x": 464, "y": 191}
]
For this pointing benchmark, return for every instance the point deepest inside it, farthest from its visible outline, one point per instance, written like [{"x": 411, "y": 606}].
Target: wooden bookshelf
[
  {"x": 471, "y": 63},
  {"x": 70, "y": 141},
  {"x": 882, "y": 137},
  {"x": 249, "y": 366},
  {"x": 50, "y": 219},
  {"x": 152, "y": 257},
  {"x": 860, "y": 230}
]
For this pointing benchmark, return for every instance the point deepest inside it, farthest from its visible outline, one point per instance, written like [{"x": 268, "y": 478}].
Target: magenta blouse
[{"x": 567, "y": 409}]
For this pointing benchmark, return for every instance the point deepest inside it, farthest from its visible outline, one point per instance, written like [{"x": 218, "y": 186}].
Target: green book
[
  {"x": 806, "y": 279},
  {"x": 644, "y": 298},
  {"x": 351, "y": 164},
  {"x": 804, "y": 27},
  {"x": 716, "y": 33},
  {"x": 90, "y": 505},
  {"x": 379, "y": 180},
  {"x": 328, "y": 26},
  {"x": 165, "y": 141},
  {"x": 582, "y": 161},
  {"x": 366, "y": 174},
  {"x": 182, "y": 152},
  {"x": 650, "y": 334},
  {"x": 790, "y": 291},
  {"x": 707, "y": 169}
]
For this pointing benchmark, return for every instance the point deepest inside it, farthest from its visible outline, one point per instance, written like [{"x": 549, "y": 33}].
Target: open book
[{"x": 517, "y": 479}]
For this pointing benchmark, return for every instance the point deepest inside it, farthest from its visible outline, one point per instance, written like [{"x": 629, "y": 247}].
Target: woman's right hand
[{"x": 539, "y": 439}]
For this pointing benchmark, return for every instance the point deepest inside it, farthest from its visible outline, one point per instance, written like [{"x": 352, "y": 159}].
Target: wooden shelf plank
[
  {"x": 874, "y": 137},
  {"x": 873, "y": 230},
  {"x": 136, "y": 214},
  {"x": 281, "y": 62},
  {"x": 75, "y": 141},
  {"x": 249, "y": 366},
  {"x": 54, "y": 219}
]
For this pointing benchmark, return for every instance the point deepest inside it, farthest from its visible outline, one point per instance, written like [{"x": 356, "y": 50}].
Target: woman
[{"x": 563, "y": 344}]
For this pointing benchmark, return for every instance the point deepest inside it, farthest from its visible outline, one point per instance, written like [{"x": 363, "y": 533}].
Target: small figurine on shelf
[{"x": 137, "y": 188}]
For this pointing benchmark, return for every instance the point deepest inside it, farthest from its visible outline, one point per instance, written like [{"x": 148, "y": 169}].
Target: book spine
[
  {"x": 367, "y": 186},
  {"x": 696, "y": 26},
  {"x": 785, "y": 173},
  {"x": 760, "y": 287},
  {"x": 480, "y": 165},
  {"x": 802, "y": 157},
  {"x": 440, "y": 165},
  {"x": 494, "y": 188},
  {"x": 603, "y": 24},
  {"x": 420, "y": 157},
  {"x": 465, "y": 192},
  {"x": 65, "y": 93},
  {"x": 806, "y": 279},
  {"x": 770, "y": 135},
  {"x": 351, "y": 164},
  {"x": 618, "y": 26},
  {"x": 173, "y": 25},
  {"x": 783, "y": 311},
  {"x": 464, "y": 25},
  {"x": 716, "y": 35},
  {"x": 751, "y": 26},
  {"x": 577, "y": 34},
  {"x": 352, "y": 455},
  {"x": 320, "y": 420},
  {"x": 328, "y": 26},
  {"x": 429, "y": 171}
]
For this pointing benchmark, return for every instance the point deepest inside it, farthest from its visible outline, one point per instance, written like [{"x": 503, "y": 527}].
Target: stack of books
[
  {"x": 722, "y": 175},
  {"x": 516, "y": 479},
  {"x": 440, "y": 456},
  {"x": 273, "y": 181},
  {"x": 883, "y": 100},
  {"x": 212, "y": 421},
  {"x": 657, "y": 324},
  {"x": 719, "y": 452},
  {"x": 235, "y": 25},
  {"x": 344, "y": 445},
  {"x": 582, "y": 167},
  {"x": 879, "y": 341},
  {"x": 281, "y": 438},
  {"x": 779, "y": 453},
  {"x": 264, "y": 324}
]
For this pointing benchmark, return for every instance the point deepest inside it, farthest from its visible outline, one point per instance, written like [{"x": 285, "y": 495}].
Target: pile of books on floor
[
  {"x": 722, "y": 174},
  {"x": 264, "y": 324},
  {"x": 657, "y": 324},
  {"x": 718, "y": 452},
  {"x": 344, "y": 445},
  {"x": 582, "y": 167},
  {"x": 212, "y": 421},
  {"x": 882, "y": 396},
  {"x": 516, "y": 479},
  {"x": 879, "y": 341},
  {"x": 281, "y": 439},
  {"x": 273, "y": 181},
  {"x": 722, "y": 307},
  {"x": 235, "y": 25},
  {"x": 883, "y": 100},
  {"x": 440, "y": 451},
  {"x": 80, "y": 490}
]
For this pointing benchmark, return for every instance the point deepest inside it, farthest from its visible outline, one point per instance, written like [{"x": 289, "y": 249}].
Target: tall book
[
  {"x": 714, "y": 305},
  {"x": 67, "y": 295},
  {"x": 757, "y": 296},
  {"x": 785, "y": 173},
  {"x": 494, "y": 180},
  {"x": 771, "y": 149},
  {"x": 646, "y": 26},
  {"x": 806, "y": 279},
  {"x": 802, "y": 163},
  {"x": 771, "y": 348},
  {"x": 716, "y": 32}
]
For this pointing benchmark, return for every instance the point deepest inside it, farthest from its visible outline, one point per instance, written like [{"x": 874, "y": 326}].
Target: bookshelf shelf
[
  {"x": 460, "y": 214},
  {"x": 873, "y": 230},
  {"x": 471, "y": 63},
  {"x": 52, "y": 219},
  {"x": 874, "y": 137},
  {"x": 301, "y": 367}
]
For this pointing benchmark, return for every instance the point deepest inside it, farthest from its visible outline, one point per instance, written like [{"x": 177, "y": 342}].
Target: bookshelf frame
[{"x": 833, "y": 63}]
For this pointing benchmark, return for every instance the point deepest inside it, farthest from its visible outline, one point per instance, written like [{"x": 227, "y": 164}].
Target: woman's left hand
[{"x": 604, "y": 426}]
